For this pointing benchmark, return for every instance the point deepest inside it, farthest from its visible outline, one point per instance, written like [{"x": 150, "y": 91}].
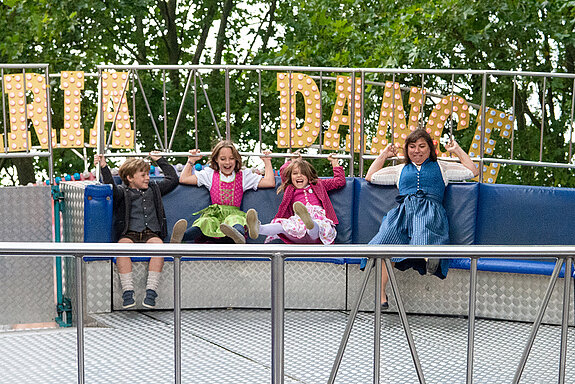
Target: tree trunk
[
  {"x": 221, "y": 40},
  {"x": 25, "y": 168},
  {"x": 208, "y": 19}
]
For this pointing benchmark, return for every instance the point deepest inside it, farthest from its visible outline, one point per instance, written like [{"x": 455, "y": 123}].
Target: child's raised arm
[
  {"x": 187, "y": 176},
  {"x": 390, "y": 150},
  {"x": 268, "y": 181}
]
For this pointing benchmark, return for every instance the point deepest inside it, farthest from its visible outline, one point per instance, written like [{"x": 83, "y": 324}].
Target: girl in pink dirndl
[
  {"x": 305, "y": 214},
  {"x": 227, "y": 182}
]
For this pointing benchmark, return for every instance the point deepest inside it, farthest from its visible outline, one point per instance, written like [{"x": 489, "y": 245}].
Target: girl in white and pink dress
[
  {"x": 227, "y": 182},
  {"x": 305, "y": 214}
]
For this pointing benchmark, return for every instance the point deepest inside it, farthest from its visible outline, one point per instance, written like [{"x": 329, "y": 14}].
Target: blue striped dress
[{"x": 420, "y": 218}]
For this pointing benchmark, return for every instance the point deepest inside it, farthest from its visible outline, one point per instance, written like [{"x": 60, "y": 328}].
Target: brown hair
[
  {"x": 216, "y": 152},
  {"x": 131, "y": 167},
  {"x": 305, "y": 168},
  {"x": 413, "y": 137}
]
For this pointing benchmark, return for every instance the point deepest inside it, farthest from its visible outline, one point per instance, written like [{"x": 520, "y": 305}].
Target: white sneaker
[
  {"x": 303, "y": 214},
  {"x": 232, "y": 233},
  {"x": 253, "y": 223}
]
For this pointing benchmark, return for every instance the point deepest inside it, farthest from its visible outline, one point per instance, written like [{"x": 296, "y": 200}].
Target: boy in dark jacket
[{"x": 140, "y": 217}]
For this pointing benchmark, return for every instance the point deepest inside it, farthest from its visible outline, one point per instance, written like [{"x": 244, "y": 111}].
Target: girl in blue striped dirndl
[{"x": 420, "y": 218}]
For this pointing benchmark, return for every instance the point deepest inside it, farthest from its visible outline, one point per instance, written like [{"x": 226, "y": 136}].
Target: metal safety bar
[{"x": 278, "y": 253}]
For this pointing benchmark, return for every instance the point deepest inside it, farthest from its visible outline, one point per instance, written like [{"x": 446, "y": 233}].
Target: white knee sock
[
  {"x": 153, "y": 280},
  {"x": 314, "y": 232},
  {"x": 126, "y": 281},
  {"x": 271, "y": 229}
]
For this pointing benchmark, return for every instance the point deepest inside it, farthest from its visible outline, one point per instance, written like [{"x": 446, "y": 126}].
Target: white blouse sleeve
[
  {"x": 454, "y": 171},
  {"x": 205, "y": 177},
  {"x": 387, "y": 175},
  {"x": 250, "y": 180}
]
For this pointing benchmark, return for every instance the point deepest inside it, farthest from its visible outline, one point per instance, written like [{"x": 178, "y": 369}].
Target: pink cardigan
[{"x": 320, "y": 189}]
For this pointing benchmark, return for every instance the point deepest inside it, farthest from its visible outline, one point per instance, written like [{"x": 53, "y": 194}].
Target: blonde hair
[
  {"x": 305, "y": 168},
  {"x": 131, "y": 167},
  {"x": 216, "y": 152}
]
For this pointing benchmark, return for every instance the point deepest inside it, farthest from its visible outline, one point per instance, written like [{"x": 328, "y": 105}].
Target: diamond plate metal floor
[{"x": 233, "y": 346}]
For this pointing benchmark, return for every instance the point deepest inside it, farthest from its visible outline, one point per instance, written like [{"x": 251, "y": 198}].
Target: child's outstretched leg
[
  {"x": 303, "y": 214},
  {"x": 255, "y": 227},
  {"x": 310, "y": 224},
  {"x": 234, "y": 233}
]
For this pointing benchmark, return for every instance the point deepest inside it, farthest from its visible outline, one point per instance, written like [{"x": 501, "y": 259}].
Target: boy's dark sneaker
[
  {"x": 150, "y": 299},
  {"x": 232, "y": 233},
  {"x": 128, "y": 299}
]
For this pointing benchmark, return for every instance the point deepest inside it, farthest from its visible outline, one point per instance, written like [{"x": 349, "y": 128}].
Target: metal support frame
[{"x": 278, "y": 253}]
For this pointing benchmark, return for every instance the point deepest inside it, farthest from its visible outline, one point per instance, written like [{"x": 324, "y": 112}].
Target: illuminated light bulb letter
[
  {"x": 72, "y": 134},
  {"x": 307, "y": 134},
  {"x": 343, "y": 90},
  {"x": 113, "y": 85},
  {"x": 494, "y": 120}
]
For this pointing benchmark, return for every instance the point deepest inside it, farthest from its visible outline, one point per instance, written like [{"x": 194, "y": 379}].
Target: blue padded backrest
[
  {"x": 372, "y": 202},
  {"x": 266, "y": 201},
  {"x": 98, "y": 218},
  {"x": 513, "y": 214},
  {"x": 183, "y": 202},
  {"x": 460, "y": 203},
  {"x": 342, "y": 201}
]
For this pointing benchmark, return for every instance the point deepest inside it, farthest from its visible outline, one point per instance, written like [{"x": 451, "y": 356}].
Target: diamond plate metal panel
[
  {"x": 233, "y": 346},
  {"x": 99, "y": 286},
  {"x": 505, "y": 296},
  {"x": 27, "y": 290},
  {"x": 242, "y": 284},
  {"x": 73, "y": 210},
  {"x": 26, "y": 214}
]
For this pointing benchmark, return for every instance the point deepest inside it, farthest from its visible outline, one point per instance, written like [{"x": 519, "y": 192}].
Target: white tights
[{"x": 277, "y": 229}]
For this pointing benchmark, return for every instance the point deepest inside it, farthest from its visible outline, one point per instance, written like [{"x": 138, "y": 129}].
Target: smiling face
[
  {"x": 140, "y": 180},
  {"x": 226, "y": 161},
  {"x": 298, "y": 179},
  {"x": 418, "y": 151}
]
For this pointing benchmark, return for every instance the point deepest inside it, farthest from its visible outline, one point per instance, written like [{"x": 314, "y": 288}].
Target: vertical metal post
[
  {"x": 404, "y": 323},
  {"x": 178, "y": 319},
  {"x": 80, "y": 317},
  {"x": 571, "y": 125},
  {"x": 260, "y": 108},
  {"x": 349, "y": 325},
  {"x": 49, "y": 121},
  {"x": 471, "y": 319},
  {"x": 289, "y": 108},
  {"x": 377, "y": 322},
  {"x": 196, "y": 107},
  {"x": 100, "y": 131},
  {"x": 542, "y": 118},
  {"x": 320, "y": 111},
  {"x": 165, "y": 108},
  {"x": 5, "y": 137},
  {"x": 537, "y": 323},
  {"x": 452, "y": 97},
  {"x": 28, "y": 142},
  {"x": 351, "y": 110},
  {"x": 513, "y": 114},
  {"x": 227, "y": 90},
  {"x": 565, "y": 319},
  {"x": 483, "y": 110},
  {"x": 277, "y": 287},
  {"x": 361, "y": 124}
]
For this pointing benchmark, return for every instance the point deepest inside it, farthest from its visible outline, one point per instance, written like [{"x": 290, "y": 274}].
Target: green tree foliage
[
  {"x": 534, "y": 36},
  {"x": 81, "y": 34}
]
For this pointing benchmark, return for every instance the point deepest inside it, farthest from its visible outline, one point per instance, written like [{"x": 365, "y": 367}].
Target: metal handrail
[{"x": 278, "y": 253}]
